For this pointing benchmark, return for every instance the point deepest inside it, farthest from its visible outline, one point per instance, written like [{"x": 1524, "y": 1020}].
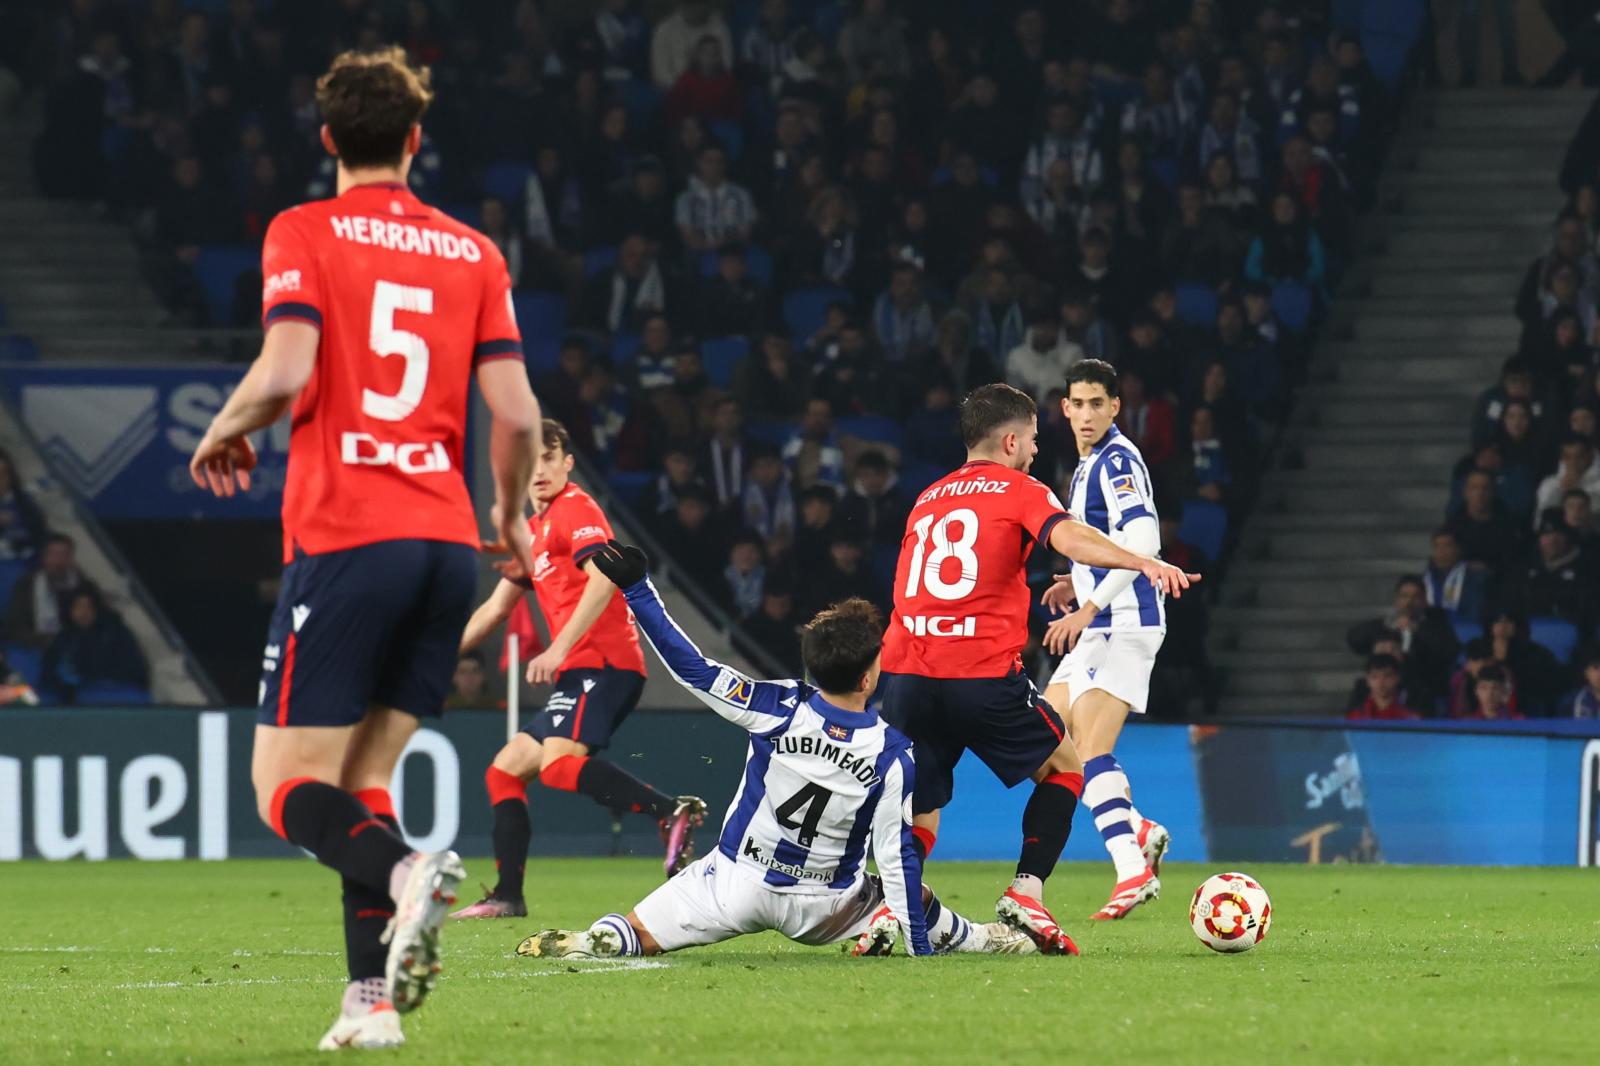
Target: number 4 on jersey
[{"x": 814, "y": 799}]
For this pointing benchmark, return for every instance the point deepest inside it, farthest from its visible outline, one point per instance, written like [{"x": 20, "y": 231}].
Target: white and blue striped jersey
[
  {"x": 821, "y": 784},
  {"x": 1111, "y": 488}
]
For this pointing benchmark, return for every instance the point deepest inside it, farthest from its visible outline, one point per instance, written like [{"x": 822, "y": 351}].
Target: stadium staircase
[{"x": 1423, "y": 325}]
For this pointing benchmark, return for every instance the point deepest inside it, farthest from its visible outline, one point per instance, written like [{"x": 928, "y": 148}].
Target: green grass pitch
[{"x": 240, "y": 962}]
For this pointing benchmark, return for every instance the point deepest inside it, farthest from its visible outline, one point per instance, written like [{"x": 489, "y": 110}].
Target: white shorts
[
  {"x": 1117, "y": 661},
  {"x": 711, "y": 900}
]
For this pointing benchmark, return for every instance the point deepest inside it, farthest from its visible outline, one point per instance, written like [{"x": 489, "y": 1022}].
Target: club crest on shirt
[{"x": 733, "y": 687}]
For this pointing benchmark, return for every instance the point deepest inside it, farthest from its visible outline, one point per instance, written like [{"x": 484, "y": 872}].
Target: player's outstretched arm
[
  {"x": 224, "y": 458},
  {"x": 591, "y": 605},
  {"x": 1083, "y": 543},
  {"x": 513, "y": 436},
  {"x": 491, "y": 613},
  {"x": 894, "y": 851},
  {"x": 757, "y": 706}
]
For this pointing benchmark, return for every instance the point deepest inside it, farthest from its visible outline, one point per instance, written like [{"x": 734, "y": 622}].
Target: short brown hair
[
  {"x": 840, "y": 643},
  {"x": 370, "y": 101},
  {"x": 555, "y": 435},
  {"x": 991, "y": 407}
]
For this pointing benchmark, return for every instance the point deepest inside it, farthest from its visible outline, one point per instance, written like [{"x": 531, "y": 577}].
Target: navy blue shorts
[
  {"x": 379, "y": 624},
  {"x": 587, "y": 706},
  {"x": 1005, "y": 721}
]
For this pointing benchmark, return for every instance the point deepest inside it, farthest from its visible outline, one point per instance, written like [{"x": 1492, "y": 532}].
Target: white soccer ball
[{"x": 1230, "y": 913}]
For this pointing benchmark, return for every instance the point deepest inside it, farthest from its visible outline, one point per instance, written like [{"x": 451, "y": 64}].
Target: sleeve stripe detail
[
  {"x": 500, "y": 349},
  {"x": 1049, "y": 527},
  {"x": 302, "y": 312},
  {"x": 582, "y": 555}
]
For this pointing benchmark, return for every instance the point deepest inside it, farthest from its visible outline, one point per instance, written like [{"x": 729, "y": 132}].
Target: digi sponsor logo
[
  {"x": 363, "y": 449},
  {"x": 940, "y": 625},
  {"x": 733, "y": 687}
]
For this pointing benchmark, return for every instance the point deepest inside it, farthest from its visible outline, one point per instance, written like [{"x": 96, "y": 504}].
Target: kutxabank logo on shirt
[{"x": 90, "y": 433}]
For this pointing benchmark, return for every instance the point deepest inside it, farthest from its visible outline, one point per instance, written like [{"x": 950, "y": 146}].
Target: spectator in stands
[
  {"x": 1095, "y": 272},
  {"x": 960, "y": 203},
  {"x": 994, "y": 311},
  {"x": 93, "y": 647},
  {"x": 1539, "y": 678},
  {"x": 725, "y": 457},
  {"x": 1516, "y": 383},
  {"x": 1288, "y": 249},
  {"x": 695, "y": 539},
  {"x": 768, "y": 44},
  {"x": 605, "y": 162},
  {"x": 932, "y": 432},
  {"x": 1064, "y": 137},
  {"x": 814, "y": 452},
  {"x": 683, "y": 408},
  {"x": 1561, "y": 355},
  {"x": 1249, "y": 362},
  {"x": 22, "y": 528},
  {"x": 1228, "y": 131},
  {"x": 1585, "y": 702},
  {"x": 677, "y": 37},
  {"x": 1383, "y": 693},
  {"x": 1579, "y": 469},
  {"x": 714, "y": 211},
  {"x": 649, "y": 368},
  {"x": 1224, "y": 192},
  {"x": 902, "y": 318},
  {"x": 957, "y": 358},
  {"x": 190, "y": 214},
  {"x": 1209, "y": 473},
  {"x": 1057, "y": 203},
  {"x": 1577, "y": 511},
  {"x": 829, "y": 250},
  {"x": 873, "y": 43},
  {"x": 1559, "y": 583},
  {"x": 42, "y": 597},
  {"x": 744, "y": 578},
  {"x": 775, "y": 628},
  {"x": 1485, "y": 531},
  {"x": 769, "y": 506},
  {"x": 707, "y": 89},
  {"x": 642, "y": 207},
  {"x": 818, "y": 509},
  {"x": 845, "y": 574},
  {"x": 1155, "y": 118},
  {"x": 678, "y": 472},
  {"x": 1491, "y": 695},
  {"x": 1147, "y": 420},
  {"x": 1477, "y": 654},
  {"x": 621, "y": 298},
  {"x": 770, "y": 383},
  {"x": 495, "y": 223},
  {"x": 732, "y": 303},
  {"x": 1427, "y": 640},
  {"x": 1569, "y": 246},
  {"x": 1041, "y": 362},
  {"x": 1082, "y": 325},
  {"x": 469, "y": 685},
  {"x": 1451, "y": 583},
  {"x": 1201, "y": 245},
  {"x": 874, "y": 509},
  {"x": 608, "y": 426}
]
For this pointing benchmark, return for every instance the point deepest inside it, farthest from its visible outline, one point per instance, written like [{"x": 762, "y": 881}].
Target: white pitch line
[
  {"x": 44, "y": 950},
  {"x": 589, "y": 967}
]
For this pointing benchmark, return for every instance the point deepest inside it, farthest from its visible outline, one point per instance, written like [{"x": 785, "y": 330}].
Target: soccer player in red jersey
[
  {"x": 379, "y": 310},
  {"x": 597, "y": 667},
  {"x": 952, "y": 656}
]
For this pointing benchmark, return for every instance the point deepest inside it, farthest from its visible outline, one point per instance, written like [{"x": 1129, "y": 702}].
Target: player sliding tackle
[
  {"x": 824, "y": 777},
  {"x": 1112, "y": 638},
  {"x": 953, "y": 676}
]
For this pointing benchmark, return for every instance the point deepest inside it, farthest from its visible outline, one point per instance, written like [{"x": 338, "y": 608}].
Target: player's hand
[
  {"x": 625, "y": 565},
  {"x": 542, "y": 668},
  {"x": 222, "y": 467},
  {"x": 1058, "y": 597},
  {"x": 1062, "y": 635},
  {"x": 1167, "y": 578},
  {"x": 511, "y": 538}
]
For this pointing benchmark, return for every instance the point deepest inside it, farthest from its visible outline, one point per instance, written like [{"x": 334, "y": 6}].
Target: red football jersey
[
  {"x": 960, "y": 590},
  {"x": 409, "y": 301},
  {"x": 565, "y": 534}
]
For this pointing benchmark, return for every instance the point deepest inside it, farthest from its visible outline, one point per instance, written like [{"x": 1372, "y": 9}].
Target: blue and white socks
[
  {"x": 1105, "y": 793},
  {"x": 614, "y": 929},
  {"x": 948, "y": 932}
]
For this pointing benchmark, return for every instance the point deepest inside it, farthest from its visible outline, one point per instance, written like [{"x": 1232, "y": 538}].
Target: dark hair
[
  {"x": 474, "y": 655},
  {"x": 1383, "y": 662},
  {"x": 1591, "y": 659},
  {"x": 370, "y": 101},
  {"x": 1515, "y": 365},
  {"x": 555, "y": 435},
  {"x": 992, "y": 407},
  {"x": 1566, "y": 438},
  {"x": 1446, "y": 531},
  {"x": 1478, "y": 648},
  {"x": 1408, "y": 579},
  {"x": 873, "y": 459},
  {"x": 56, "y": 537},
  {"x": 823, "y": 493},
  {"x": 840, "y": 643},
  {"x": 1493, "y": 672},
  {"x": 1094, "y": 372}
]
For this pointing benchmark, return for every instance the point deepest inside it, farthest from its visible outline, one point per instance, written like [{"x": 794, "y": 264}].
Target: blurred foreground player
[
  {"x": 952, "y": 658},
  {"x": 597, "y": 667},
  {"x": 378, "y": 311},
  {"x": 825, "y": 778}
]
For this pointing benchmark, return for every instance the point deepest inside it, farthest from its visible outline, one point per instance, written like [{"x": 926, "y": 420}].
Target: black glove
[{"x": 624, "y": 564}]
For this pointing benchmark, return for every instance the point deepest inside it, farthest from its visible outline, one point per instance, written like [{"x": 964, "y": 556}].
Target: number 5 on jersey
[{"x": 387, "y": 339}]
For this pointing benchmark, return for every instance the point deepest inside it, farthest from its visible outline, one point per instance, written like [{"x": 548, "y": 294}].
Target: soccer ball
[{"x": 1230, "y": 913}]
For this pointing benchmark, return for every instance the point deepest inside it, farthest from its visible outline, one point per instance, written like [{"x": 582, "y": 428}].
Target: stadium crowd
[
  {"x": 1500, "y": 622},
  {"x": 763, "y": 248}
]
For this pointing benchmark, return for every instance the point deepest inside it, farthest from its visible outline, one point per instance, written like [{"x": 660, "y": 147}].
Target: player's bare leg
[
  {"x": 1046, "y": 824},
  {"x": 507, "y": 779},
  {"x": 1096, "y": 719},
  {"x": 614, "y": 936}
]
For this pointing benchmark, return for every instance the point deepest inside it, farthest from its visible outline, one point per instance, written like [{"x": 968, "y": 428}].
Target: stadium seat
[
  {"x": 1197, "y": 304},
  {"x": 1205, "y": 525},
  {"x": 623, "y": 345},
  {"x": 1389, "y": 31},
  {"x": 217, "y": 269},
  {"x": 987, "y": 175},
  {"x": 720, "y": 355},
  {"x": 805, "y": 310},
  {"x": 1345, "y": 14},
  {"x": 542, "y": 354},
  {"x": 1556, "y": 635},
  {"x": 540, "y": 314},
  {"x": 629, "y": 485},
  {"x": 767, "y": 431},
  {"x": 597, "y": 259},
  {"x": 757, "y": 260},
  {"x": 10, "y": 571},
  {"x": 1293, "y": 303},
  {"x": 728, "y": 134},
  {"x": 642, "y": 99},
  {"x": 1165, "y": 168},
  {"x": 1466, "y": 631},
  {"x": 112, "y": 694},
  {"x": 24, "y": 660},
  {"x": 464, "y": 213},
  {"x": 16, "y": 347},
  {"x": 872, "y": 428},
  {"x": 508, "y": 182},
  {"x": 914, "y": 477}
]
